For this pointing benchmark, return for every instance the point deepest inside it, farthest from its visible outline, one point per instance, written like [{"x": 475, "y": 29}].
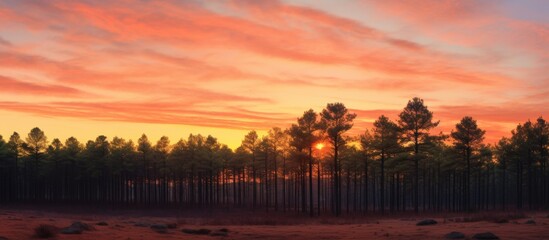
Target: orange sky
[{"x": 85, "y": 68}]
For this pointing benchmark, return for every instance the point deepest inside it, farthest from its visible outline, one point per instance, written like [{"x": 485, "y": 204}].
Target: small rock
[
  {"x": 485, "y": 235},
  {"x": 530, "y": 221},
  {"x": 426, "y": 222},
  {"x": 160, "y": 228},
  {"x": 82, "y": 226},
  {"x": 224, "y": 230},
  {"x": 77, "y": 228},
  {"x": 71, "y": 230},
  {"x": 502, "y": 220},
  {"x": 45, "y": 231},
  {"x": 219, "y": 234},
  {"x": 171, "y": 225},
  {"x": 455, "y": 235},
  {"x": 201, "y": 231},
  {"x": 102, "y": 224},
  {"x": 140, "y": 224},
  {"x": 468, "y": 219}
]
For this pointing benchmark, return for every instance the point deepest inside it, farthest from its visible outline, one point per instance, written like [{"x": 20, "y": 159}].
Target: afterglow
[{"x": 123, "y": 68}]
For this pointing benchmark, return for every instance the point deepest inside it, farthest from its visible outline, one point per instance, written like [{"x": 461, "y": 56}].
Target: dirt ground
[{"x": 20, "y": 224}]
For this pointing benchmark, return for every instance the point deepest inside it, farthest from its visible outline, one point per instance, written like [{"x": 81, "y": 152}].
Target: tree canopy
[{"x": 395, "y": 166}]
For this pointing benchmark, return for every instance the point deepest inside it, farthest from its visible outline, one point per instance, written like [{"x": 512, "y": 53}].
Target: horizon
[
  {"x": 261, "y": 133},
  {"x": 176, "y": 68}
]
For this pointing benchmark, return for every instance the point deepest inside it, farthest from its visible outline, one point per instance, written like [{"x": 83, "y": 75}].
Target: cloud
[
  {"x": 156, "y": 112},
  {"x": 309, "y": 35},
  {"x": 436, "y": 11},
  {"x": 14, "y": 86},
  {"x": 468, "y": 23},
  {"x": 506, "y": 113},
  {"x": 4, "y": 42},
  {"x": 249, "y": 64}
]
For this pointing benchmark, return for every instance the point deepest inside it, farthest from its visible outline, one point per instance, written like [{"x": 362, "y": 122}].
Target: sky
[{"x": 124, "y": 68}]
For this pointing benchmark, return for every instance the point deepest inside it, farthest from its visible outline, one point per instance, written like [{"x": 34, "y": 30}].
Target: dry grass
[{"x": 249, "y": 225}]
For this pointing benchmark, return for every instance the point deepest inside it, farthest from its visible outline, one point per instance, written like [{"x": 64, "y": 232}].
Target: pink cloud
[
  {"x": 157, "y": 112},
  {"x": 468, "y": 23},
  {"x": 223, "y": 61},
  {"x": 14, "y": 86}
]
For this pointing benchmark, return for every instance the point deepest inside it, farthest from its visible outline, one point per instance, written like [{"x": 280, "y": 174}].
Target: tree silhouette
[
  {"x": 416, "y": 121},
  {"x": 276, "y": 141},
  {"x": 386, "y": 143},
  {"x": 335, "y": 121},
  {"x": 14, "y": 146},
  {"x": 367, "y": 145},
  {"x": 160, "y": 159},
  {"x": 303, "y": 138},
  {"x": 5, "y": 180},
  {"x": 467, "y": 138},
  {"x": 358, "y": 174},
  {"x": 251, "y": 144},
  {"x": 541, "y": 151},
  {"x": 505, "y": 153},
  {"x": 145, "y": 149}
]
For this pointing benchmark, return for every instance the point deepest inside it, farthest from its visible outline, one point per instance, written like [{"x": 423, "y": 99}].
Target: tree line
[{"x": 396, "y": 166}]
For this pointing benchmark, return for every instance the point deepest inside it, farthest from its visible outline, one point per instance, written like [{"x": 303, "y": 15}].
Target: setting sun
[{"x": 319, "y": 146}]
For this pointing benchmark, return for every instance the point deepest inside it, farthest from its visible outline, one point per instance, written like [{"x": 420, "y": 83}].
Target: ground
[{"x": 19, "y": 223}]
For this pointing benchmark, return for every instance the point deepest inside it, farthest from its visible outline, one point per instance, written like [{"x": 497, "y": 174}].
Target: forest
[{"x": 314, "y": 167}]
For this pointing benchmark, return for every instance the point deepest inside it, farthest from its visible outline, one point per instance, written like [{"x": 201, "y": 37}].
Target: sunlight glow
[{"x": 319, "y": 146}]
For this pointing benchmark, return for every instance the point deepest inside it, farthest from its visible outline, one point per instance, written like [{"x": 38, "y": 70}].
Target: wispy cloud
[
  {"x": 13, "y": 86},
  {"x": 251, "y": 65}
]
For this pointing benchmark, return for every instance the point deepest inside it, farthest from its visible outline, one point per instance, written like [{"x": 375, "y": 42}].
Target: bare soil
[{"x": 19, "y": 223}]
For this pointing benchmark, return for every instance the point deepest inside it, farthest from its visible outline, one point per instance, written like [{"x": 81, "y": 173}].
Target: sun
[{"x": 319, "y": 146}]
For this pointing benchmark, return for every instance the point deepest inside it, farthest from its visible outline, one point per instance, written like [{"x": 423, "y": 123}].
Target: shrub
[{"x": 45, "y": 231}]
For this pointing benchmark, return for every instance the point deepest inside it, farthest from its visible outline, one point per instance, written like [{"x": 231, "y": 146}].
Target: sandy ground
[{"x": 19, "y": 224}]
